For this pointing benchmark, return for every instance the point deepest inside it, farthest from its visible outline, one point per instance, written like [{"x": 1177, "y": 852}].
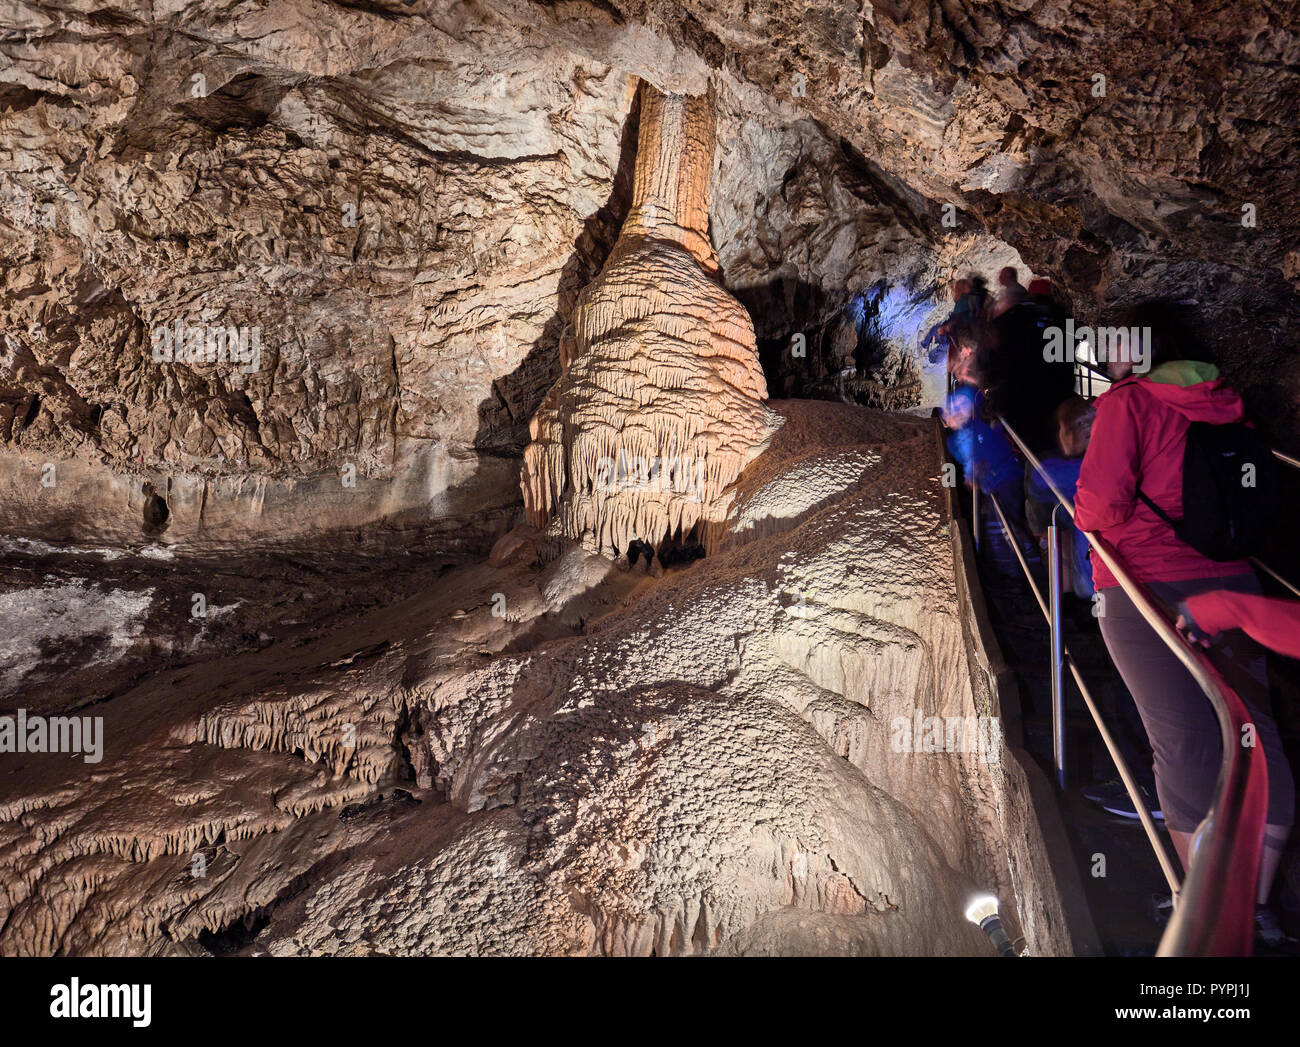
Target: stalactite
[{"x": 661, "y": 367}]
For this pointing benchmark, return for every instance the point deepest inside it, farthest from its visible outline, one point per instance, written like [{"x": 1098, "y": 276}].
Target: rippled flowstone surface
[{"x": 572, "y": 759}]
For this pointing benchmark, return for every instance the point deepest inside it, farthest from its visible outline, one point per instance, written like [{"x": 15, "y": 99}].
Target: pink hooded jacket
[{"x": 1138, "y": 439}]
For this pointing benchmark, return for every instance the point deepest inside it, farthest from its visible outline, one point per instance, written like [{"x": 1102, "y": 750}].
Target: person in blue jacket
[
  {"x": 1074, "y": 427},
  {"x": 987, "y": 460}
]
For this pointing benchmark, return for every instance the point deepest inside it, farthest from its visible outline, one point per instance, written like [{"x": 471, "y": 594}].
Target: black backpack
[{"x": 1224, "y": 518}]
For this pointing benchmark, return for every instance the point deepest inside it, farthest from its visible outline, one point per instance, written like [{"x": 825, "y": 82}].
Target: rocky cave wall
[{"x": 407, "y": 198}]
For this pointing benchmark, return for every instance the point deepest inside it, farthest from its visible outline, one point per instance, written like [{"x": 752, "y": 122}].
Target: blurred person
[
  {"x": 1040, "y": 288},
  {"x": 988, "y": 462},
  {"x": 943, "y": 334},
  {"x": 963, "y": 358},
  {"x": 1023, "y": 385},
  {"x": 1074, "y": 419},
  {"x": 1012, "y": 293},
  {"x": 975, "y": 301}
]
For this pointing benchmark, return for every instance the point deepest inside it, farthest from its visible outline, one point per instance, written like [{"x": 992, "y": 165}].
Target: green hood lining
[{"x": 1184, "y": 373}]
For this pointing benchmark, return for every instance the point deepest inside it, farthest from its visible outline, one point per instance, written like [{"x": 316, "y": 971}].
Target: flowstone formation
[
  {"x": 660, "y": 403},
  {"x": 707, "y": 762}
]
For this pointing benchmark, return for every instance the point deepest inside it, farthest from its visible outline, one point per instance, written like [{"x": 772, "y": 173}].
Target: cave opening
[
  {"x": 155, "y": 513},
  {"x": 676, "y": 548},
  {"x": 864, "y": 353}
]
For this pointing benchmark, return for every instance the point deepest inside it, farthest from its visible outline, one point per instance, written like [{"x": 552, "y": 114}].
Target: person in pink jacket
[{"x": 1138, "y": 439}]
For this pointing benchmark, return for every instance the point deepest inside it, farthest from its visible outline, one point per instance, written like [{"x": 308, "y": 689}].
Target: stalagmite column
[{"x": 660, "y": 405}]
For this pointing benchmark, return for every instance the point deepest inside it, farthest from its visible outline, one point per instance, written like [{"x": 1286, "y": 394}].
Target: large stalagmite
[{"x": 660, "y": 403}]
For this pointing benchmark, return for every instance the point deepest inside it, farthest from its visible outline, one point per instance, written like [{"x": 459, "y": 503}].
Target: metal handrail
[
  {"x": 1274, "y": 575},
  {"x": 1215, "y": 908},
  {"x": 1058, "y": 717},
  {"x": 1100, "y": 372},
  {"x": 1084, "y": 371}
]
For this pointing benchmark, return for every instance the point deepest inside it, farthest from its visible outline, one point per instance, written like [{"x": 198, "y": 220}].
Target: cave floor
[{"x": 84, "y": 624}]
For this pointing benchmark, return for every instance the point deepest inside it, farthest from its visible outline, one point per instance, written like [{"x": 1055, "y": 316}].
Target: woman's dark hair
[{"x": 1172, "y": 327}]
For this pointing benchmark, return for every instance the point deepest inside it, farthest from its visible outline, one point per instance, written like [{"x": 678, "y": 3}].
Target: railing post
[
  {"x": 975, "y": 514},
  {"x": 1058, "y": 644}
]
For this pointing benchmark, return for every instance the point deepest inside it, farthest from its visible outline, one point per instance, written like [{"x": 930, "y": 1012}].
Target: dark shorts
[{"x": 1179, "y": 720}]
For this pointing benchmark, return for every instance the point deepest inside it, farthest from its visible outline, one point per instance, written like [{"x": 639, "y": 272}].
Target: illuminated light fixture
[{"x": 983, "y": 911}]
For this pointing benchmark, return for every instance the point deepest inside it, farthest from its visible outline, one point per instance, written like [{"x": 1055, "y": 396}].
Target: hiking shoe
[
  {"x": 1112, "y": 797},
  {"x": 1104, "y": 792},
  {"x": 1269, "y": 932},
  {"x": 1160, "y": 908},
  {"x": 1122, "y": 807}
]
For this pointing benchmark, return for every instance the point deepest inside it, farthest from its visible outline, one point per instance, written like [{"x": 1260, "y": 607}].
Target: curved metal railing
[
  {"x": 1214, "y": 907},
  {"x": 1061, "y": 657}
]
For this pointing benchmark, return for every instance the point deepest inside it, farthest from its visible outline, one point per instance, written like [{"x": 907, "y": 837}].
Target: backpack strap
[
  {"x": 1133, "y": 379},
  {"x": 1157, "y": 510}
]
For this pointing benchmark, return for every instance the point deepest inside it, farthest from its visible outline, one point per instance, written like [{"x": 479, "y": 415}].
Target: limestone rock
[
  {"x": 661, "y": 405},
  {"x": 700, "y": 763},
  {"x": 519, "y": 545},
  {"x": 407, "y": 200}
]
